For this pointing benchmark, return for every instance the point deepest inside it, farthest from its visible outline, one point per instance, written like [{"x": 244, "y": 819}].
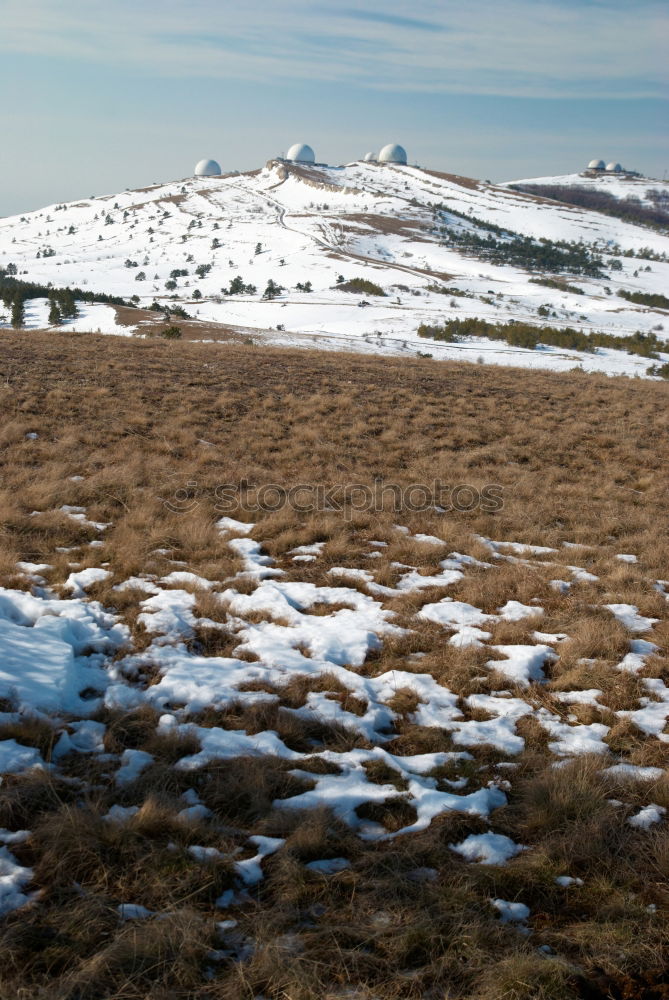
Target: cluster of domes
[
  {"x": 302, "y": 153},
  {"x": 610, "y": 168},
  {"x": 392, "y": 153}
]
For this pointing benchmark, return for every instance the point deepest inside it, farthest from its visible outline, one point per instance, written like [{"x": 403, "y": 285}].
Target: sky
[{"x": 102, "y": 95}]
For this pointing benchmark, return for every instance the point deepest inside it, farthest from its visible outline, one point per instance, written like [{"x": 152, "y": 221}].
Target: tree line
[
  {"x": 520, "y": 334},
  {"x": 630, "y": 209},
  {"x": 14, "y": 293}
]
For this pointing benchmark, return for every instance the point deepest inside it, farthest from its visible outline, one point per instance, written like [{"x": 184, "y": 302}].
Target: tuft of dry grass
[
  {"x": 528, "y": 977},
  {"x": 31, "y": 731},
  {"x": 242, "y": 791}
]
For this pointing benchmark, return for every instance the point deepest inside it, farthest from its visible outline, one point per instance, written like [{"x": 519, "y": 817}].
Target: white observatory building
[
  {"x": 301, "y": 153},
  {"x": 596, "y": 165},
  {"x": 207, "y": 168},
  {"x": 369, "y": 158},
  {"x": 393, "y": 153},
  {"x": 614, "y": 168}
]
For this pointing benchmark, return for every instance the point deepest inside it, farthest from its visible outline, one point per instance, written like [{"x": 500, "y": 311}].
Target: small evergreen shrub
[
  {"x": 273, "y": 290},
  {"x": 360, "y": 285},
  {"x": 238, "y": 287},
  {"x": 562, "y": 286},
  {"x": 654, "y": 300}
]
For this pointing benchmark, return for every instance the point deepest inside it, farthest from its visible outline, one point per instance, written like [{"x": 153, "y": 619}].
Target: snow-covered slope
[
  {"x": 619, "y": 186},
  {"x": 391, "y": 225}
]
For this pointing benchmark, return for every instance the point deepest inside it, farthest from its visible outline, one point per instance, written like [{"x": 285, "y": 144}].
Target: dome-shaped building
[
  {"x": 369, "y": 158},
  {"x": 614, "y": 168},
  {"x": 207, "y": 168},
  {"x": 596, "y": 165},
  {"x": 301, "y": 153},
  {"x": 393, "y": 153}
]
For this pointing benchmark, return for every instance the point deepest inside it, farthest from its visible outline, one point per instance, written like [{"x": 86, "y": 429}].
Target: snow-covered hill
[
  {"x": 400, "y": 227},
  {"x": 619, "y": 186}
]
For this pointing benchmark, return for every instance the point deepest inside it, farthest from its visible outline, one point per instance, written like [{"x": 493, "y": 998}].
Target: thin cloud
[
  {"x": 523, "y": 48},
  {"x": 396, "y": 20}
]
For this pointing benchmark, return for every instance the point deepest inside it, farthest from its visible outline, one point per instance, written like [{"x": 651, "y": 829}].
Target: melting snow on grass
[
  {"x": 13, "y": 881},
  {"x": 53, "y": 650},
  {"x": 56, "y": 657},
  {"x": 511, "y": 913},
  {"x": 647, "y": 816},
  {"x": 488, "y": 848}
]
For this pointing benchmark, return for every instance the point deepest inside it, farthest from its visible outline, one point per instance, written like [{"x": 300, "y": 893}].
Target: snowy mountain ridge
[{"x": 437, "y": 246}]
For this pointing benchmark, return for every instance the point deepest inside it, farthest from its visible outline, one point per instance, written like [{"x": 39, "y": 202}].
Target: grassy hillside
[{"x": 345, "y": 674}]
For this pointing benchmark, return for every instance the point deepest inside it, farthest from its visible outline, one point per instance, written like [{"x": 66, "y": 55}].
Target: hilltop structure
[
  {"x": 599, "y": 168},
  {"x": 207, "y": 168},
  {"x": 393, "y": 153},
  {"x": 301, "y": 153}
]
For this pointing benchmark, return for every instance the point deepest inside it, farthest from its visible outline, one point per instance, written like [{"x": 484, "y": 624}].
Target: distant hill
[
  {"x": 359, "y": 257},
  {"x": 625, "y": 196}
]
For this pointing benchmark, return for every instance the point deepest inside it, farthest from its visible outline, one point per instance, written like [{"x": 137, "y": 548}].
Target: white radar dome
[
  {"x": 614, "y": 168},
  {"x": 393, "y": 153},
  {"x": 301, "y": 153},
  {"x": 207, "y": 168},
  {"x": 596, "y": 165},
  {"x": 369, "y": 158}
]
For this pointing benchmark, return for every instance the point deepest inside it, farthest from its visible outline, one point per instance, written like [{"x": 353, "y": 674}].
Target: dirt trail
[{"x": 334, "y": 247}]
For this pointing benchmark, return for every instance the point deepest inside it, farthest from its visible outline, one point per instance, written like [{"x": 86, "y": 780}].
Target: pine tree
[
  {"x": 68, "y": 306},
  {"x": 55, "y": 317},
  {"x": 272, "y": 290},
  {"x": 18, "y": 313}
]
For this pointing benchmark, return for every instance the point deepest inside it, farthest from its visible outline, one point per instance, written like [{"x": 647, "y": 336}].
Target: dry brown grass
[
  {"x": 31, "y": 732},
  {"x": 131, "y": 417},
  {"x": 157, "y": 402}
]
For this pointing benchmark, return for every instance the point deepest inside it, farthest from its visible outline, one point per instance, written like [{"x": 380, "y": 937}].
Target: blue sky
[{"x": 99, "y": 95}]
